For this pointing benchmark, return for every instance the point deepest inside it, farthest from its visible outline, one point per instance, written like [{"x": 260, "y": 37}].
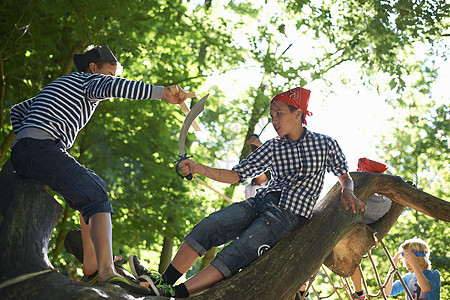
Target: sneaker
[
  {"x": 91, "y": 279},
  {"x": 142, "y": 274},
  {"x": 129, "y": 285},
  {"x": 357, "y": 297},
  {"x": 124, "y": 272},
  {"x": 165, "y": 290}
]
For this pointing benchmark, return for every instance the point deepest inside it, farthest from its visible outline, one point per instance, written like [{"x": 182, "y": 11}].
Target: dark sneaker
[
  {"x": 129, "y": 285},
  {"x": 357, "y": 297},
  {"x": 165, "y": 290},
  {"x": 91, "y": 279},
  {"x": 141, "y": 273},
  {"x": 138, "y": 270},
  {"x": 124, "y": 272}
]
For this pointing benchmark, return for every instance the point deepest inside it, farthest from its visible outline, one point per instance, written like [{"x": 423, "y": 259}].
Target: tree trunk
[
  {"x": 26, "y": 228},
  {"x": 30, "y": 214}
]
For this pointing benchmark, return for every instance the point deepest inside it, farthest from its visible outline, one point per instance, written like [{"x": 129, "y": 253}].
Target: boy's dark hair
[
  {"x": 293, "y": 108},
  {"x": 96, "y": 54}
]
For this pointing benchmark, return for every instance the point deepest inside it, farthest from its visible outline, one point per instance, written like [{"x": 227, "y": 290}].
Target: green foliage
[
  {"x": 132, "y": 145},
  {"x": 417, "y": 149},
  {"x": 421, "y": 145}
]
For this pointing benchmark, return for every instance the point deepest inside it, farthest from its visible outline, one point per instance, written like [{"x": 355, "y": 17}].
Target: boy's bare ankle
[
  {"x": 89, "y": 270},
  {"x": 104, "y": 276}
]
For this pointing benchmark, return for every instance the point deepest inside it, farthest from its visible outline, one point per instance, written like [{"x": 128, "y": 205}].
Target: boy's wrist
[
  {"x": 158, "y": 92},
  {"x": 346, "y": 188}
]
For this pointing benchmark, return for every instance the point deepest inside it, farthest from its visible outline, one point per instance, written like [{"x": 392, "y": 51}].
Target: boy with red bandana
[
  {"x": 377, "y": 207},
  {"x": 297, "y": 159}
]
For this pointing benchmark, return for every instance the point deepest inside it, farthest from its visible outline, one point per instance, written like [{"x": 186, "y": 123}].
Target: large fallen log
[{"x": 30, "y": 214}]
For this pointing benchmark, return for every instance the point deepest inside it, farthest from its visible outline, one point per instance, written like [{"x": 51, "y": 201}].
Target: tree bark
[
  {"x": 23, "y": 248},
  {"x": 30, "y": 215}
]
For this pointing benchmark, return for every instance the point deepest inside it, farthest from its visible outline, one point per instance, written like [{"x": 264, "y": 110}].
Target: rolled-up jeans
[
  {"x": 253, "y": 225},
  {"x": 48, "y": 162}
]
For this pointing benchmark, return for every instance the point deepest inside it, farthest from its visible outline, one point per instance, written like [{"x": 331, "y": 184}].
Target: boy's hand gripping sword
[
  {"x": 174, "y": 89},
  {"x": 195, "y": 111}
]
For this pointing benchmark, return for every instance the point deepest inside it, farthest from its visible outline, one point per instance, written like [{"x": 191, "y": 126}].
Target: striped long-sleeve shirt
[
  {"x": 297, "y": 168},
  {"x": 64, "y": 106}
]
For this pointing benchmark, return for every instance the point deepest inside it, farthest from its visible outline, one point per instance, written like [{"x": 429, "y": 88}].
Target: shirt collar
[{"x": 285, "y": 140}]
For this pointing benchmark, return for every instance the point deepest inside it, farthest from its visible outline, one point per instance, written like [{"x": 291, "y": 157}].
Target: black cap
[{"x": 82, "y": 61}]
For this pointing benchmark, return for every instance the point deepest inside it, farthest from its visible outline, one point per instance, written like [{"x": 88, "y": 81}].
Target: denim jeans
[
  {"x": 254, "y": 226},
  {"x": 48, "y": 162}
]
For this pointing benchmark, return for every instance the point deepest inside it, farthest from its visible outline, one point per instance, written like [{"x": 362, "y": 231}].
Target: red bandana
[
  {"x": 297, "y": 97},
  {"x": 368, "y": 165}
]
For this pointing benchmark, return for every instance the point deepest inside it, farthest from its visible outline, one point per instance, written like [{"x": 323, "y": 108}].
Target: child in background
[
  {"x": 422, "y": 282},
  {"x": 377, "y": 207}
]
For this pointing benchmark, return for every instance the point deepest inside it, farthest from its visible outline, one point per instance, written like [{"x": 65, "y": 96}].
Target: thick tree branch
[{"x": 334, "y": 236}]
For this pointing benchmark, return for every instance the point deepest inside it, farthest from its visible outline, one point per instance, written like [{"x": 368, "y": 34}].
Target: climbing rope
[{"x": 346, "y": 286}]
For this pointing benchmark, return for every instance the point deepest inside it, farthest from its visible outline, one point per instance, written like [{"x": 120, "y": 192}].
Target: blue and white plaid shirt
[{"x": 297, "y": 168}]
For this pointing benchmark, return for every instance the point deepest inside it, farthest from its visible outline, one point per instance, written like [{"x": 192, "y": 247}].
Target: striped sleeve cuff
[{"x": 157, "y": 92}]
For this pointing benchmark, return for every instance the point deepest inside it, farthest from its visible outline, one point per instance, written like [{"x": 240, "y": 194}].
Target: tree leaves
[{"x": 133, "y": 144}]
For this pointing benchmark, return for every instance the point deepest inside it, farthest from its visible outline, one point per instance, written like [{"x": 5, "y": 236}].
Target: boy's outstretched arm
[
  {"x": 347, "y": 196},
  {"x": 188, "y": 166}
]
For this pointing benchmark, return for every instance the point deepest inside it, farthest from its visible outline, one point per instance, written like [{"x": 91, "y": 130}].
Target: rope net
[{"x": 344, "y": 285}]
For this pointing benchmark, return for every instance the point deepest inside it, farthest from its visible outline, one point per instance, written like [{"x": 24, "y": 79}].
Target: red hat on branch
[
  {"x": 368, "y": 165},
  {"x": 297, "y": 97}
]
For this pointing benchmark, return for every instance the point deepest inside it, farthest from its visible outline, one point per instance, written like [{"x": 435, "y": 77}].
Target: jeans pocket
[
  {"x": 90, "y": 188},
  {"x": 20, "y": 159}
]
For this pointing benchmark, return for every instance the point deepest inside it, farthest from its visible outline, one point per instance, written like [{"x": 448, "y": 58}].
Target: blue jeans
[
  {"x": 48, "y": 162},
  {"x": 254, "y": 226}
]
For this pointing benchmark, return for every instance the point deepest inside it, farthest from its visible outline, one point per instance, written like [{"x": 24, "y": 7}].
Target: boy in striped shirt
[{"x": 47, "y": 125}]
